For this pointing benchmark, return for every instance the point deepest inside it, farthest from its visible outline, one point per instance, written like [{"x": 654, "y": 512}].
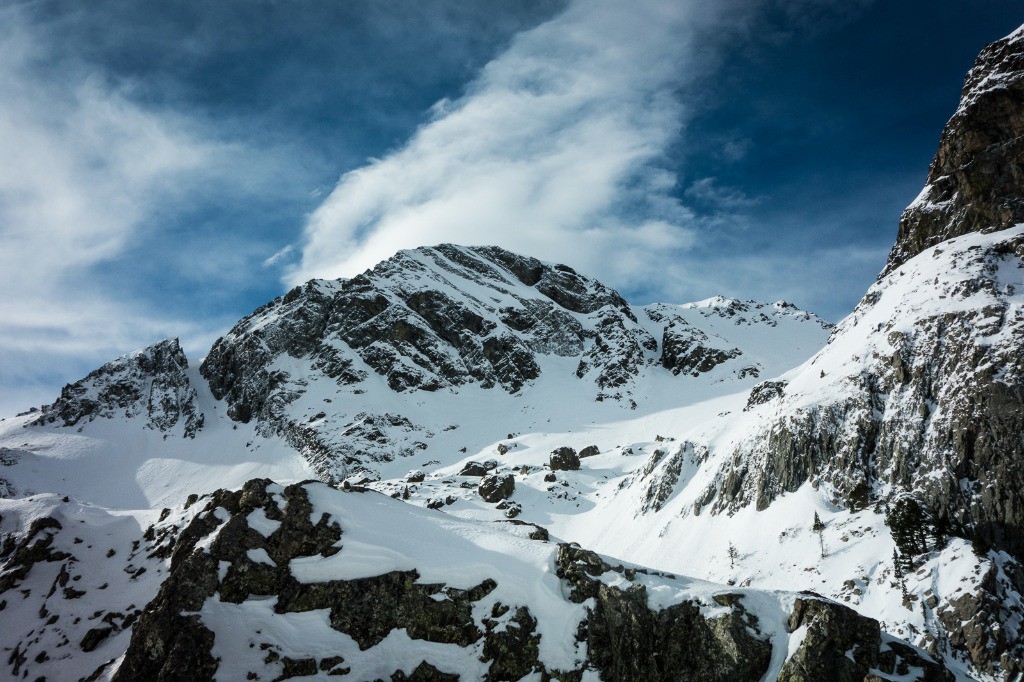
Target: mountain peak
[
  {"x": 976, "y": 181},
  {"x": 151, "y": 382}
]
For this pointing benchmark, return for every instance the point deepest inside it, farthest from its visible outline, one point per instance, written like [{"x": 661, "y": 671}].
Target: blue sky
[{"x": 170, "y": 166}]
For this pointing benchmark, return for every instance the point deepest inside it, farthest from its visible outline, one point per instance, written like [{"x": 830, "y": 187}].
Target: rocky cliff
[
  {"x": 974, "y": 183},
  {"x": 919, "y": 393}
]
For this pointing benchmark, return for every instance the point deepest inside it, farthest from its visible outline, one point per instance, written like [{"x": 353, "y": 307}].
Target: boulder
[
  {"x": 495, "y": 488},
  {"x": 478, "y": 469},
  {"x": 564, "y": 459}
]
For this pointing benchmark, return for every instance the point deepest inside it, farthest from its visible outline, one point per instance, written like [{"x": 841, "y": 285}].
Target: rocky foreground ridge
[{"x": 275, "y": 582}]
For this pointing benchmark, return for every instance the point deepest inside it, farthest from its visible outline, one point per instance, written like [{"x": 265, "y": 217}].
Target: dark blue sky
[{"x": 174, "y": 165}]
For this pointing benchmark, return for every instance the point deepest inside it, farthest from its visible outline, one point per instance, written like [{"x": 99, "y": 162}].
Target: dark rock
[
  {"x": 478, "y": 469},
  {"x": 589, "y": 451},
  {"x": 564, "y": 459},
  {"x": 151, "y": 382},
  {"x": 415, "y": 476},
  {"x": 94, "y": 637},
  {"x": 550, "y": 477},
  {"x": 495, "y": 488},
  {"x": 765, "y": 392},
  {"x": 424, "y": 672},
  {"x": 297, "y": 668},
  {"x": 688, "y": 350},
  {"x": 839, "y": 644},
  {"x": 975, "y": 181},
  {"x": 628, "y": 641}
]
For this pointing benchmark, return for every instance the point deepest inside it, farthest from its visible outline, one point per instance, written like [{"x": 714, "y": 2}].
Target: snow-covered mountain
[{"x": 486, "y": 431}]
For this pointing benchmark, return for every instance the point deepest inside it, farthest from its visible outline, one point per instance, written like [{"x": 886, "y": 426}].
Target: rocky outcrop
[
  {"x": 765, "y": 392},
  {"x": 919, "y": 392},
  {"x": 495, "y": 487},
  {"x": 152, "y": 382},
  {"x": 930, "y": 402},
  {"x": 251, "y": 584},
  {"x": 975, "y": 181},
  {"x": 628, "y": 640},
  {"x": 564, "y": 459},
  {"x": 478, "y": 468},
  {"x": 838, "y": 644},
  {"x": 686, "y": 350}
]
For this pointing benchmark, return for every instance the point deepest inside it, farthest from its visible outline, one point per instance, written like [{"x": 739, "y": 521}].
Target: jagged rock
[
  {"x": 765, "y": 392},
  {"x": 152, "y": 382},
  {"x": 478, "y": 469},
  {"x": 974, "y": 183},
  {"x": 629, "y": 641},
  {"x": 170, "y": 643},
  {"x": 839, "y": 644},
  {"x": 94, "y": 637},
  {"x": 564, "y": 459},
  {"x": 35, "y": 547},
  {"x": 411, "y": 320},
  {"x": 494, "y": 488},
  {"x": 687, "y": 350},
  {"x": 424, "y": 672}
]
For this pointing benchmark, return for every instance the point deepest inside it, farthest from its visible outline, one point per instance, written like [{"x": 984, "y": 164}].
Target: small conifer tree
[{"x": 818, "y": 525}]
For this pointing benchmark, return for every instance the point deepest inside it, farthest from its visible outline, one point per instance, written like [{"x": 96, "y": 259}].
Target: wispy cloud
[
  {"x": 83, "y": 168},
  {"x": 553, "y": 150}
]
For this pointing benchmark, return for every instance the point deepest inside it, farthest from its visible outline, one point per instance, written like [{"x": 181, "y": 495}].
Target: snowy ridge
[
  {"x": 343, "y": 370},
  {"x": 273, "y": 581}
]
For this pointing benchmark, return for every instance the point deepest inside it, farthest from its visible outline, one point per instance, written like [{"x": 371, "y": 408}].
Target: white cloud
[
  {"x": 552, "y": 151},
  {"x": 83, "y": 167}
]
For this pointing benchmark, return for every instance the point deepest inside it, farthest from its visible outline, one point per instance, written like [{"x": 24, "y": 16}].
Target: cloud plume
[{"x": 553, "y": 150}]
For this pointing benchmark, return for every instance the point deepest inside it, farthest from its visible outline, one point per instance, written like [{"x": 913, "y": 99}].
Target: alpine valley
[{"x": 470, "y": 464}]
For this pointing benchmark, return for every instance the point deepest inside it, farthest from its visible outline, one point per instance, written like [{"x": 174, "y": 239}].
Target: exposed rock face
[
  {"x": 412, "y": 321},
  {"x": 931, "y": 401},
  {"x": 686, "y": 350},
  {"x": 245, "y": 546},
  {"x": 152, "y": 382},
  {"x": 627, "y": 640},
  {"x": 448, "y": 320},
  {"x": 838, "y": 644},
  {"x": 920, "y": 391},
  {"x": 976, "y": 178}
]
